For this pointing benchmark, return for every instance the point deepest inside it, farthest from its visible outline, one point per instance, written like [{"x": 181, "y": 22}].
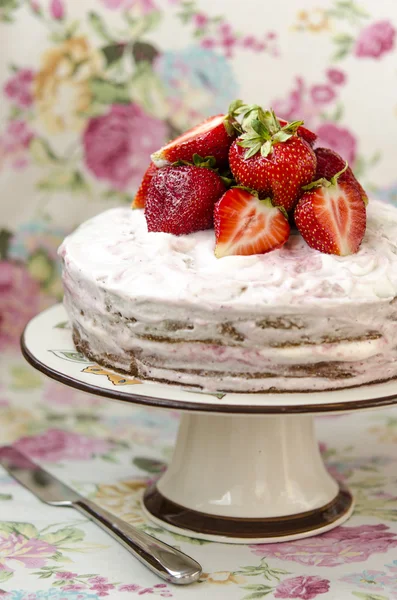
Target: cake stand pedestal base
[{"x": 247, "y": 479}]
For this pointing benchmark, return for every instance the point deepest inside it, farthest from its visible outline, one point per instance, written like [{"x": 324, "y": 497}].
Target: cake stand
[{"x": 246, "y": 467}]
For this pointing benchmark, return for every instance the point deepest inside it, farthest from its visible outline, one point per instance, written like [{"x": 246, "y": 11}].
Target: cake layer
[{"x": 163, "y": 307}]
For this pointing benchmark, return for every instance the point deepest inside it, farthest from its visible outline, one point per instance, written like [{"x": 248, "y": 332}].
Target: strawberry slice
[
  {"x": 246, "y": 225},
  {"x": 140, "y": 197},
  {"x": 212, "y": 137},
  {"x": 329, "y": 163},
  {"x": 331, "y": 216},
  {"x": 303, "y": 132}
]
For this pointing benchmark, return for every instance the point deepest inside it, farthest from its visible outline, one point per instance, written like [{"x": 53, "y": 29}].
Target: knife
[{"x": 164, "y": 560}]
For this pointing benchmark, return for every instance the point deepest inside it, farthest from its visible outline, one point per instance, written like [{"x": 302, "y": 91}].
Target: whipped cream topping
[{"x": 115, "y": 250}]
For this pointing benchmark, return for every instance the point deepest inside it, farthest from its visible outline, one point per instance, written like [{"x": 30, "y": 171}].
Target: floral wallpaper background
[{"x": 88, "y": 90}]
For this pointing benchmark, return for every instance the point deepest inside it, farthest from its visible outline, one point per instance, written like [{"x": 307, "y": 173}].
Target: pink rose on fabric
[
  {"x": 337, "y": 547},
  {"x": 336, "y": 76},
  {"x": 375, "y": 40},
  {"x": 14, "y": 143},
  {"x": 304, "y": 587},
  {"x": 57, "y": 9},
  {"x": 56, "y": 444},
  {"x": 118, "y": 144},
  {"x": 19, "y": 88},
  {"x": 322, "y": 94},
  {"x": 20, "y": 300},
  {"x": 339, "y": 139},
  {"x": 31, "y": 553}
]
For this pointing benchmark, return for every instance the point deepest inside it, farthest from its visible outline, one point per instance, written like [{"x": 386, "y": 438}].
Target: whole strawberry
[
  {"x": 212, "y": 137},
  {"x": 329, "y": 163},
  {"x": 272, "y": 160},
  {"x": 331, "y": 215},
  {"x": 181, "y": 199},
  {"x": 140, "y": 197}
]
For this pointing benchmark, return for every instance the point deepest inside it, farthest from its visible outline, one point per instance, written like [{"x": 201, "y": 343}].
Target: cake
[
  {"x": 249, "y": 263},
  {"x": 163, "y": 307}
]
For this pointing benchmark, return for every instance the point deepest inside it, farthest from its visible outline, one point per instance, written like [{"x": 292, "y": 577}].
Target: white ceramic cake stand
[{"x": 246, "y": 467}]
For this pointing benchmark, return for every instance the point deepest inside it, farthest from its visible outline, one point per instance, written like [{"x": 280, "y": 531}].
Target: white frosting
[{"x": 113, "y": 265}]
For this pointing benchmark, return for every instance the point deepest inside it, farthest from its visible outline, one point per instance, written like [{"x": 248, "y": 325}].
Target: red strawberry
[
  {"x": 309, "y": 136},
  {"x": 181, "y": 200},
  {"x": 332, "y": 218},
  {"x": 212, "y": 137},
  {"x": 140, "y": 196},
  {"x": 329, "y": 163},
  {"x": 281, "y": 174},
  {"x": 246, "y": 225}
]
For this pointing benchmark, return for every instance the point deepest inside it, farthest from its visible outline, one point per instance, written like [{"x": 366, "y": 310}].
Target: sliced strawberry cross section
[{"x": 246, "y": 225}]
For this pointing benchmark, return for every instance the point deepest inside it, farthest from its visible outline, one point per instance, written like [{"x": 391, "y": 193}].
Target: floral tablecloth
[
  {"x": 88, "y": 89},
  {"x": 109, "y": 452}
]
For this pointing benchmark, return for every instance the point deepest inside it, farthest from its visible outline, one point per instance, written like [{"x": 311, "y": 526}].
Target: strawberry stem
[{"x": 335, "y": 178}]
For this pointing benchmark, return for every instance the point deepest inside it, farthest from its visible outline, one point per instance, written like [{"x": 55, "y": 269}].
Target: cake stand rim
[{"x": 194, "y": 406}]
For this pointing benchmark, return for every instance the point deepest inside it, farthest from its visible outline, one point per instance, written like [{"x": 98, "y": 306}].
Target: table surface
[{"x": 109, "y": 451}]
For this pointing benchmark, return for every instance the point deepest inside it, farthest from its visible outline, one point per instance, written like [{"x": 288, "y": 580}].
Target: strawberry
[
  {"x": 281, "y": 174},
  {"x": 140, "y": 196},
  {"x": 331, "y": 215},
  {"x": 329, "y": 163},
  {"x": 309, "y": 136},
  {"x": 212, "y": 137},
  {"x": 246, "y": 225},
  {"x": 181, "y": 199}
]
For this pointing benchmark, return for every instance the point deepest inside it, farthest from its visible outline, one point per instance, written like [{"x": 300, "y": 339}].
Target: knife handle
[{"x": 164, "y": 560}]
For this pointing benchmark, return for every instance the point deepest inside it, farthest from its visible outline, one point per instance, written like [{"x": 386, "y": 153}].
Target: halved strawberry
[
  {"x": 305, "y": 133},
  {"x": 331, "y": 216},
  {"x": 140, "y": 197},
  {"x": 329, "y": 163},
  {"x": 181, "y": 200},
  {"x": 212, "y": 137},
  {"x": 246, "y": 225}
]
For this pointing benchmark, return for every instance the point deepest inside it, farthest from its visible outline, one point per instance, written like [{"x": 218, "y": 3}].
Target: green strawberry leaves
[{"x": 260, "y": 129}]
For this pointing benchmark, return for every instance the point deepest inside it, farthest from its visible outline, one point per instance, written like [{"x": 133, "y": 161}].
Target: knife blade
[{"x": 164, "y": 560}]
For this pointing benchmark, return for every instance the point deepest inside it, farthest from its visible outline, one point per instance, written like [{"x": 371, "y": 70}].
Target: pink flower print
[
  {"x": 129, "y": 587},
  {"x": 31, "y": 553},
  {"x": 18, "y": 88},
  {"x": 297, "y": 105},
  {"x": 57, "y": 9},
  {"x": 336, "y": 76},
  {"x": 14, "y": 143},
  {"x": 339, "y": 139},
  {"x": 118, "y": 144},
  {"x": 145, "y": 6},
  {"x": 375, "y": 40},
  {"x": 304, "y": 587},
  {"x": 200, "y": 20},
  {"x": 65, "y": 575},
  {"x": 20, "y": 300},
  {"x": 337, "y": 547},
  {"x": 322, "y": 94},
  {"x": 56, "y": 444}
]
